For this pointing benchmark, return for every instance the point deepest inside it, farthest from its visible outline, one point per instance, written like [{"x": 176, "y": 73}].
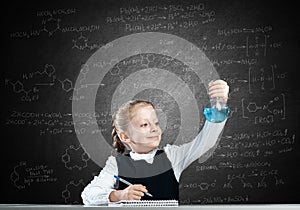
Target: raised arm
[{"x": 182, "y": 156}]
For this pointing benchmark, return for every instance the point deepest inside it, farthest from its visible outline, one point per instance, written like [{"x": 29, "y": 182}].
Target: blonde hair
[{"x": 120, "y": 121}]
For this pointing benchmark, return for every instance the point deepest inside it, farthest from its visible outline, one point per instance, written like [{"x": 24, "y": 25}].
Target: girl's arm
[
  {"x": 98, "y": 190},
  {"x": 182, "y": 156}
]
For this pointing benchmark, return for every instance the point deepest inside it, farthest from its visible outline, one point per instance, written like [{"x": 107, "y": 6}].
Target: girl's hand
[
  {"x": 218, "y": 89},
  {"x": 132, "y": 192}
]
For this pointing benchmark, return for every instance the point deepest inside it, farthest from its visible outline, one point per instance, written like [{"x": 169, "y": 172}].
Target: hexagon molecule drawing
[{"x": 71, "y": 153}]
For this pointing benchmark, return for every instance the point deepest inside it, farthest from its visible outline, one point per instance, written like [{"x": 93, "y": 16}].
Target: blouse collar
[{"x": 148, "y": 157}]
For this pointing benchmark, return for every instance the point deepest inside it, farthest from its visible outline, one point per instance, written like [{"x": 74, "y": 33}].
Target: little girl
[{"x": 136, "y": 136}]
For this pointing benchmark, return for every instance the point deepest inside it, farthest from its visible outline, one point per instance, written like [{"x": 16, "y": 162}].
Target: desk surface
[{"x": 201, "y": 207}]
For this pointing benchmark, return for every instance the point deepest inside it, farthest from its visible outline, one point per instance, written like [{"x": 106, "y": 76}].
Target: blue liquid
[{"x": 216, "y": 115}]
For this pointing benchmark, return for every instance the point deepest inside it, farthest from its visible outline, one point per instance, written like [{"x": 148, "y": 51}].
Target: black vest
[{"x": 158, "y": 177}]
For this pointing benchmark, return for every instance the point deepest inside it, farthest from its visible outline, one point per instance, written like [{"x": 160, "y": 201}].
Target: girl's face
[{"x": 144, "y": 132}]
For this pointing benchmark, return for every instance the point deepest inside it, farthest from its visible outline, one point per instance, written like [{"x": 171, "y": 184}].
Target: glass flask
[{"x": 218, "y": 111}]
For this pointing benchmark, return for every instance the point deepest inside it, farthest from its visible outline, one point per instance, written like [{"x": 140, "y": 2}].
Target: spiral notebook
[{"x": 144, "y": 203}]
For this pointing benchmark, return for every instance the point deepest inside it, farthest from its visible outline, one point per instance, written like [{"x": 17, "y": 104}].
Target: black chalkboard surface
[{"x": 69, "y": 64}]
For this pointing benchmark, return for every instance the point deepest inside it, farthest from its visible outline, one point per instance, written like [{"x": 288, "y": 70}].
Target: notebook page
[{"x": 144, "y": 203}]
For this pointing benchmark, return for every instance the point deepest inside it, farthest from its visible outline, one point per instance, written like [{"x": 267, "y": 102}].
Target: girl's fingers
[
  {"x": 140, "y": 187},
  {"x": 136, "y": 191},
  {"x": 218, "y": 88},
  {"x": 224, "y": 91},
  {"x": 217, "y": 82},
  {"x": 135, "y": 197}
]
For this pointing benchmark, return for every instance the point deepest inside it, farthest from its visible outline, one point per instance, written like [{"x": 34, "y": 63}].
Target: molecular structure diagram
[
  {"x": 15, "y": 176},
  {"x": 51, "y": 25},
  {"x": 32, "y": 94},
  {"x": 75, "y": 151},
  {"x": 68, "y": 196}
]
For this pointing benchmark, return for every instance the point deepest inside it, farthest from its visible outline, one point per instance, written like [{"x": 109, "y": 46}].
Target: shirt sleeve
[
  {"x": 98, "y": 190},
  {"x": 182, "y": 156}
]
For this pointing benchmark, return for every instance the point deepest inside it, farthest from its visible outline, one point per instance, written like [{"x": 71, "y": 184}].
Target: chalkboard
[{"x": 69, "y": 64}]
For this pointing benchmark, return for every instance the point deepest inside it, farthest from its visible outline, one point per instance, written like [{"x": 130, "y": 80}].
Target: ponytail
[{"x": 117, "y": 144}]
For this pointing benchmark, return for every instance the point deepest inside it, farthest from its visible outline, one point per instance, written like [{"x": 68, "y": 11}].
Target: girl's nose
[{"x": 154, "y": 128}]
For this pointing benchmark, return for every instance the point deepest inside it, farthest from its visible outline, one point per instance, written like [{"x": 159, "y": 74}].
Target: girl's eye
[
  {"x": 144, "y": 125},
  {"x": 157, "y": 123}
]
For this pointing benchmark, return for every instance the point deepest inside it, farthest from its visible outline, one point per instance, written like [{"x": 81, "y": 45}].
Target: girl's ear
[{"x": 123, "y": 136}]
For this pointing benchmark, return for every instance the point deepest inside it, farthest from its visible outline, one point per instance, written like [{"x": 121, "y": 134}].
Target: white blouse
[{"x": 98, "y": 190}]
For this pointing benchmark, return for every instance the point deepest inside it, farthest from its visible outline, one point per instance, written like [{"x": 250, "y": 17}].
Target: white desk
[{"x": 181, "y": 207}]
